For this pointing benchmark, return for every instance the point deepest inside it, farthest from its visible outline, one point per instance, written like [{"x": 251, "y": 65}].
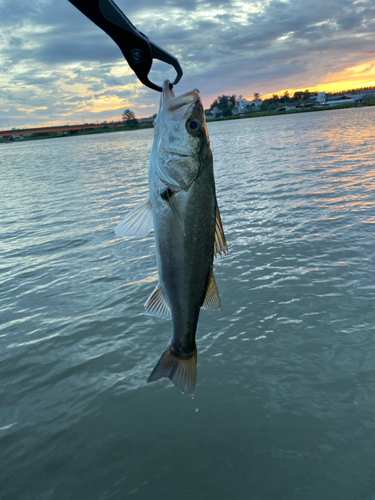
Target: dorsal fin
[
  {"x": 156, "y": 305},
  {"x": 212, "y": 299},
  {"x": 220, "y": 245},
  {"x": 139, "y": 222}
]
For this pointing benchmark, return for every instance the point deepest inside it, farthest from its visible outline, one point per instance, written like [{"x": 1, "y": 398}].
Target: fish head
[{"x": 181, "y": 138}]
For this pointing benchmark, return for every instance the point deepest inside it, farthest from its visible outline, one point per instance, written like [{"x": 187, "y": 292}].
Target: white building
[
  {"x": 243, "y": 106},
  {"x": 320, "y": 99}
]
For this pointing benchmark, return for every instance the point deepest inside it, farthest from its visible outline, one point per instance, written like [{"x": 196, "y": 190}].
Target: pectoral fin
[
  {"x": 139, "y": 222},
  {"x": 220, "y": 245},
  {"x": 167, "y": 195},
  {"x": 212, "y": 299},
  {"x": 156, "y": 305}
]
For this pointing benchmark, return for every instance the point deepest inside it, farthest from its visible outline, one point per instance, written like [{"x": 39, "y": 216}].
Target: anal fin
[
  {"x": 156, "y": 305},
  {"x": 139, "y": 222},
  {"x": 212, "y": 299}
]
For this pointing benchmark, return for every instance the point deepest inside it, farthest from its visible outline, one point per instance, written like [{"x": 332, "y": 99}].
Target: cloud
[{"x": 55, "y": 61}]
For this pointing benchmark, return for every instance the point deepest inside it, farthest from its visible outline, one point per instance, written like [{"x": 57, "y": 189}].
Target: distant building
[
  {"x": 368, "y": 93},
  {"x": 335, "y": 100},
  {"x": 319, "y": 99},
  {"x": 243, "y": 106},
  {"x": 213, "y": 113}
]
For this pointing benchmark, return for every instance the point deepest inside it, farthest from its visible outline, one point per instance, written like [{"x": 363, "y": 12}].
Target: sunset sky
[{"x": 58, "y": 67}]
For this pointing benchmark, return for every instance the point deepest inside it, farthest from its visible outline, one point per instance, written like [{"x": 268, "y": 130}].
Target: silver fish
[{"x": 184, "y": 213}]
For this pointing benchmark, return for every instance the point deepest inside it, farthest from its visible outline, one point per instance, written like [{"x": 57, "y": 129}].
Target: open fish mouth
[{"x": 178, "y": 106}]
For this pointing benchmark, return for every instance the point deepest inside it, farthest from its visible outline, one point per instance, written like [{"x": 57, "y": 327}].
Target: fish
[{"x": 183, "y": 211}]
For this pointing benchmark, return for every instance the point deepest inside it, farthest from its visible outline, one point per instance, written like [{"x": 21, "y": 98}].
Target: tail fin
[{"x": 182, "y": 372}]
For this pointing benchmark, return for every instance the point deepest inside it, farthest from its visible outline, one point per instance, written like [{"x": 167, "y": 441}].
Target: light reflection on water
[{"x": 286, "y": 380}]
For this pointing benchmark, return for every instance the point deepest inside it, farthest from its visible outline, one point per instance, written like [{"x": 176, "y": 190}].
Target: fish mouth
[{"x": 178, "y": 106}]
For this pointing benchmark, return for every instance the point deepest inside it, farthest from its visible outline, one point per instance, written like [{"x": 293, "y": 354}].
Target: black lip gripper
[{"x": 137, "y": 49}]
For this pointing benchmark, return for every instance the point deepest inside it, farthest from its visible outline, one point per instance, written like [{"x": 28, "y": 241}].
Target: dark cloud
[{"x": 49, "y": 50}]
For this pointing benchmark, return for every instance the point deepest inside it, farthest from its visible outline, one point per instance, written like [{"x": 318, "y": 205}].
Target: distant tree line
[
  {"x": 227, "y": 102},
  {"x": 352, "y": 91},
  {"x": 277, "y": 101}
]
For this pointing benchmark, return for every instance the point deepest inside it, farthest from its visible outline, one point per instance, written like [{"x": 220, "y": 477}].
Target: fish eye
[{"x": 193, "y": 124}]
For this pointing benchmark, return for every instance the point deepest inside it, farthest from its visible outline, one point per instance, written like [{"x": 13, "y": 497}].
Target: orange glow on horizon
[
  {"x": 359, "y": 76},
  {"x": 96, "y": 108},
  {"x": 323, "y": 87}
]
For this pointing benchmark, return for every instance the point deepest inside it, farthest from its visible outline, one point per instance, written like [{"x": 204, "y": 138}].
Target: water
[{"x": 284, "y": 406}]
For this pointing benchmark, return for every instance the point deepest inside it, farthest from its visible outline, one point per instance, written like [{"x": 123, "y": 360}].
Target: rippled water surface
[{"x": 285, "y": 402}]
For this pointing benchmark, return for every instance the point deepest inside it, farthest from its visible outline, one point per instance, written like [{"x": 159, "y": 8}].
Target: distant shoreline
[
  {"x": 253, "y": 114},
  {"x": 54, "y": 135},
  {"x": 258, "y": 114}
]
